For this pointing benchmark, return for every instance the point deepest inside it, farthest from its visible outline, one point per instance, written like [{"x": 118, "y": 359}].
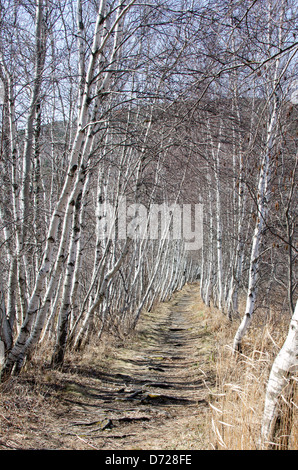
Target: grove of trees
[{"x": 111, "y": 107}]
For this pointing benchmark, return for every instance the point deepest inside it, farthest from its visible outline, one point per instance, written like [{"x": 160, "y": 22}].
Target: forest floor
[{"x": 148, "y": 391}]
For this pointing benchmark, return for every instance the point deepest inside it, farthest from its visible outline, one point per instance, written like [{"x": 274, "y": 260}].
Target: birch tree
[
  {"x": 274, "y": 102},
  {"x": 276, "y": 425},
  {"x": 80, "y": 149}
]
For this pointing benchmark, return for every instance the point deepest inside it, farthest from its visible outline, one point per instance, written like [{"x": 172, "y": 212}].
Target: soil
[{"x": 148, "y": 391}]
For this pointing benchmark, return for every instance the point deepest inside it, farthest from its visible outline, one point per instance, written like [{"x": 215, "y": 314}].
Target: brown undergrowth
[{"x": 241, "y": 379}]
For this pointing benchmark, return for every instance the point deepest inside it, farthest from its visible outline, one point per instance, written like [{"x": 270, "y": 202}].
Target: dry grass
[
  {"x": 237, "y": 406},
  {"x": 36, "y": 408},
  {"x": 27, "y": 412}
]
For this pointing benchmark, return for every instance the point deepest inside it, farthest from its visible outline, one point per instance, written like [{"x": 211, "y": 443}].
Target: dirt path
[{"x": 150, "y": 393}]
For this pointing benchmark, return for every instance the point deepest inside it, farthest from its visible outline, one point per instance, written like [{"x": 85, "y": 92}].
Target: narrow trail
[{"x": 150, "y": 392}]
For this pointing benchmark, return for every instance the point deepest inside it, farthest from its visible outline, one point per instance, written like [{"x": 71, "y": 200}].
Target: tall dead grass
[{"x": 236, "y": 408}]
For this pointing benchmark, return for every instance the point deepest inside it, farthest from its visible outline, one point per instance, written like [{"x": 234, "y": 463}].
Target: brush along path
[{"x": 149, "y": 393}]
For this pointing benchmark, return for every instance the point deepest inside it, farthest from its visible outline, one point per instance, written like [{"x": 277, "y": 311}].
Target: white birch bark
[
  {"x": 74, "y": 296},
  {"x": 209, "y": 254},
  {"x": 285, "y": 365},
  {"x": 203, "y": 264},
  {"x": 5, "y": 330},
  {"x": 215, "y": 150},
  {"x": 15, "y": 266},
  {"x": 219, "y": 234},
  {"x": 239, "y": 204},
  {"x": 50, "y": 321},
  {"x": 9, "y": 311},
  {"x": 255, "y": 251},
  {"x": 64, "y": 313},
  {"x": 81, "y": 53}
]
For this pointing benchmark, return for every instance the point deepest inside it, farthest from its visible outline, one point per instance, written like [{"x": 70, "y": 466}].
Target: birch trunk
[
  {"x": 219, "y": 234},
  {"x": 9, "y": 311},
  {"x": 255, "y": 251},
  {"x": 74, "y": 297},
  {"x": 239, "y": 204},
  {"x": 5, "y": 330},
  {"x": 63, "y": 319},
  {"x": 50, "y": 321},
  {"x": 209, "y": 243},
  {"x": 215, "y": 150},
  {"x": 276, "y": 425}
]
